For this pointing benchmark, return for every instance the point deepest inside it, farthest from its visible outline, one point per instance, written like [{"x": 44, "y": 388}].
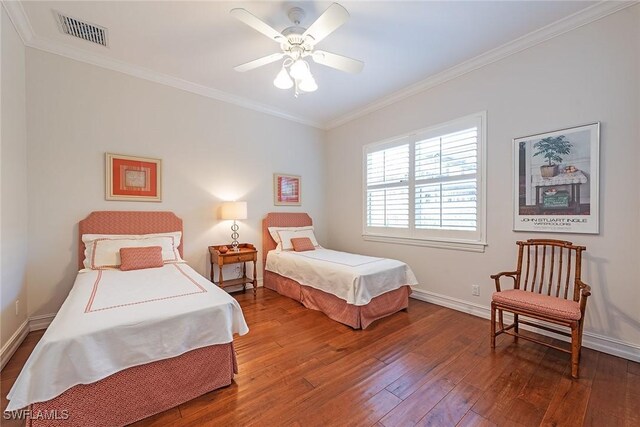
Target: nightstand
[{"x": 246, "y": 253}]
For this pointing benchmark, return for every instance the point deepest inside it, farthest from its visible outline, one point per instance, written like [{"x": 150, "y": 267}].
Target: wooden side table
[{"x": 246, "y": 253}]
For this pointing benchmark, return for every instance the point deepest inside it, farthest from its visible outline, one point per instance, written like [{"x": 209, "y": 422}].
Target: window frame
[{"x": 439, "y": 238}]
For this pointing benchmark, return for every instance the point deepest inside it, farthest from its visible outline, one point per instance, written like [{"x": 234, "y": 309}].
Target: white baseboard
[
  {"x": 591, "y": 340},
  {"x": 33, "y": 323},
  {"x": 14, "y": 342},
  {"x": 40, "y": 322}
]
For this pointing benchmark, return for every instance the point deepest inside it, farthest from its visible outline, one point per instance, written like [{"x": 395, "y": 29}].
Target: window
[{"x": 427, "y": 188}]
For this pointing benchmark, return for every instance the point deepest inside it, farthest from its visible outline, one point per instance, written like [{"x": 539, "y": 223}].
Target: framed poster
[
  {"x": 556, "y": 181},
  {"x": 133, "y": 178},
  {"x": 286, "y": 190}
]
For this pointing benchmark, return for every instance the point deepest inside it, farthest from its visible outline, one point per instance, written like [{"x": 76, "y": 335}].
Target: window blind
[
  {"x": 388, "y": 187},
  {"x": 446, "y": 184},
  {"x": 427, "y": 185}
]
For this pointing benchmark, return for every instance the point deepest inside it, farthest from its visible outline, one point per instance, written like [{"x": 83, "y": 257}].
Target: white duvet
[
  {"x": 113, "y": 320},
  {"x": 353, "y": 278}
]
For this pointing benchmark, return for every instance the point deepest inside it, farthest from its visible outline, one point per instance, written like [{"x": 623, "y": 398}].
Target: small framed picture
[
  {"x": 286, "y": 190},
  {"x": 556, "y": 181},
  {"x": 133, "y": 178}
]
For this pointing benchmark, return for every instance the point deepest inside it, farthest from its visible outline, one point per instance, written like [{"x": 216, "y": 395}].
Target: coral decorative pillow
[
  {"x": 287, "y": 235},
  {"x": 141, "y": 257},
  {"x": 301, "y": 244}
]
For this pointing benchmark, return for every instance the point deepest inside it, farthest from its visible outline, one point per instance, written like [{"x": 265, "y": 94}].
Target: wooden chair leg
[
  {"x": 501, "y": 320},
  {"x": 515, "y": 327},
  {"x": 580, "y": 338},
  {"x": 575, "y": 350},
  {"x": 493, "y": 326}
]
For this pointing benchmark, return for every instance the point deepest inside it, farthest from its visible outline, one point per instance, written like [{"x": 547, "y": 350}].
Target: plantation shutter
[
  {"x": 427, "y": 187},
  {"x": 446, "y": 189},
  {"x": 387, "y": 178}
]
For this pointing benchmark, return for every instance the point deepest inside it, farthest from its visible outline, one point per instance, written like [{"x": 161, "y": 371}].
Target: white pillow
[
  {"x": 103, "y": 250},
  {"x": 276, "y": 237},
  {"x": 287, "y": 235},
  {"x": 274, "y": 232}
]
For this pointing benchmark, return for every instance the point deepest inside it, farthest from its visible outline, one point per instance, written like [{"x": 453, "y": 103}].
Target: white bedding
[
  {"x": 353, "y": 278},
  {"x": 113, "y": 320}
]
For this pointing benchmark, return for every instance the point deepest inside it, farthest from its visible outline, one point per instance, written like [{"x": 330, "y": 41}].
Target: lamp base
[{"x": 234, "y": 237}]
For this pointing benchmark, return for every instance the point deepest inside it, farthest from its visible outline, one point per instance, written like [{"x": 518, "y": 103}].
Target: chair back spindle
[{"x": 550, "y": 267}]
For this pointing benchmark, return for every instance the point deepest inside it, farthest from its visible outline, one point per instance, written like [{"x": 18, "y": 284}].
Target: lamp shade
[
  {"x": 282, "y": 80},
  {"x": 300, "y": 70},
  {"x": 233, "y": 210},
  {"x": 308, "y": 84}
]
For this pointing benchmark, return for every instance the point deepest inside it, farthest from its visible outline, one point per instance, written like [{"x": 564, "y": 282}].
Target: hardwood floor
[{"x": 427, "y": 366}]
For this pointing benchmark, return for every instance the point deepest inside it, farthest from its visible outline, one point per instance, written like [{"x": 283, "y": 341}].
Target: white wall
[
  {"x": 211, "y": 152},
  {"x": 586, "y": 75},
  {"x": 13, "y": 182}
]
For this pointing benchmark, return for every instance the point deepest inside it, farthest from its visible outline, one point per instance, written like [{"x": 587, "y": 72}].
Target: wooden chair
[{"x": 547, "y": 286}]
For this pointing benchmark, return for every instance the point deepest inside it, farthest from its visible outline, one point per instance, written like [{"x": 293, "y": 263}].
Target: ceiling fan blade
[
  {"x": 257, "y": 24},
  {"x": 327, "y": 23},
  {"x": 338, "y": 62},
  {"x": 259, "y": 62}
]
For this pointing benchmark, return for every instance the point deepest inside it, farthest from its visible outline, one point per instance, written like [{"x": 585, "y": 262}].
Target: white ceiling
[{"x": 401, "y": 43}]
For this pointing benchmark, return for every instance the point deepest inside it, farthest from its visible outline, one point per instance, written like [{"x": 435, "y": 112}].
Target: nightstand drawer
[{"x": 238, "y": 258}]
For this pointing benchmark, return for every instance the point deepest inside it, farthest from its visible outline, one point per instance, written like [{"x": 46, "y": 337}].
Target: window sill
[{"x": 442, "y": 244}]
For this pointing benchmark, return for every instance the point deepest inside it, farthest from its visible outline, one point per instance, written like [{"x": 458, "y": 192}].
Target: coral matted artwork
[
  {"x": 133, "y": 178},
  {"x": 286, "y": 190}
]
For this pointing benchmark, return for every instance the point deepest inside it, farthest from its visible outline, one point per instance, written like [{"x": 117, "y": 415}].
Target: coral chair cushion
[
  {"x": 141, "y": 257},
  {"x": 301, "y": 244},
  {"x": 540, "y": 304}
]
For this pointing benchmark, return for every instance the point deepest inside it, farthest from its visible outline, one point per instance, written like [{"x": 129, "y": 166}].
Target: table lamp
[{"x": 234, "y": 211}]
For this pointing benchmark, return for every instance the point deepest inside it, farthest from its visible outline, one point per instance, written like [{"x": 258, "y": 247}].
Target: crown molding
[
  {"x": 102, "y": 61},
  {"x": 18, "y": 16},
  {"x": 20, "y": 20},
  {"x": 564, "y": 25},
  {"x": 593, "y": 13}
]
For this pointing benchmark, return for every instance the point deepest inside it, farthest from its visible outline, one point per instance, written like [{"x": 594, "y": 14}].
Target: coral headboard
[
  {"x": 127, "y": 222},
  {"x": 280, "y": 219}
]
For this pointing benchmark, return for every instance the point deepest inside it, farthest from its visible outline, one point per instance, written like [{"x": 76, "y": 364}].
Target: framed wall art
[
  {"x": 133, "y": 178},
  {"x": 556, "y": 181},
  {"x": 286, "y": 190}
]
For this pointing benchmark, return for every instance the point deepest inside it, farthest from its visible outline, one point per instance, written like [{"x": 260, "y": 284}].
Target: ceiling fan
[{"x": 298, "y": 43}]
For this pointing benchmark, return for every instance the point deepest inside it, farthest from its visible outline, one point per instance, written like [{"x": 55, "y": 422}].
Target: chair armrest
[
  {"x": 496, "y": 277},
  {"x": 585, "y": 290}
]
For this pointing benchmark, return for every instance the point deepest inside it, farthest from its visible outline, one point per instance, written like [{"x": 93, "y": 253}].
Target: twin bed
[
  {"x": 129, "y": 344},
  {"x": 351, "y": 289}
]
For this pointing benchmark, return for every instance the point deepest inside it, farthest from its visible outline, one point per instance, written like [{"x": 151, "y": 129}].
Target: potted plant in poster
[{"x": 551, "y": 148}]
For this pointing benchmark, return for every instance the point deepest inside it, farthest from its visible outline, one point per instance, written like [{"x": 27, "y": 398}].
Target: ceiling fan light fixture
[
  {"x": 300, "y": 70},
  {"x": 296, "y": 44},
  {"x": 282, "y": 80},
  {"x": 308, "y": 84}
]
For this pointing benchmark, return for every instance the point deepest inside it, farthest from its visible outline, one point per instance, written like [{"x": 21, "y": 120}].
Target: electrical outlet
[
  {"x": 475, "y": 290},
  {"x": 17, "y": 307}
]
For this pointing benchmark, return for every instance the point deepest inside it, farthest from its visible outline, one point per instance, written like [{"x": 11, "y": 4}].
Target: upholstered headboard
[
  {"x": 127, "y": 222},
  {"x": 280, "y": 219}
]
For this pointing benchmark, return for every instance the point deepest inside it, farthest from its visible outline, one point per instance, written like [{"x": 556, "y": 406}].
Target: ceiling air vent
[{"x": 82, "y": 30}]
